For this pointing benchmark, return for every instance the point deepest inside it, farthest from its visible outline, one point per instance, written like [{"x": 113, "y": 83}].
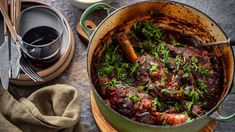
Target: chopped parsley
[
  {"x": 153, "y": 67},
  {"x": 176, "y": 43},
  {"x": 148, "y": 30},
  {"x": 134, "y": 67},
  {"x": 135, "y": 98},
  {"x": 107, "y": 69}
]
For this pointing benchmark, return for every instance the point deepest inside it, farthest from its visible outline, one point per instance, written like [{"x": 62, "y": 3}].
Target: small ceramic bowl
[{"x": 83, "y": 4}]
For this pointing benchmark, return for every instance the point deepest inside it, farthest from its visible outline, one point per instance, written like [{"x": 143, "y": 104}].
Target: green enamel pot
[{"x": 189, "y": 20}]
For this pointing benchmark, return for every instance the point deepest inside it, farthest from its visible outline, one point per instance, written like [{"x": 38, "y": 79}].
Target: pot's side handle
[
  {"x": 218, "y": 117},
  {"x": 232, "y": 41},
  {"x": 90, "y": 10}
]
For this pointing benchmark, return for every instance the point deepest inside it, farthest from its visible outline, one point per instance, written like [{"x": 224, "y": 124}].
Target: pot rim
[{"x": 149, "y": 125}]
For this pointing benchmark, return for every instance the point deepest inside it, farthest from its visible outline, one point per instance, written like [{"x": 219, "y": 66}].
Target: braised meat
[{"x": 155, "y": 76}]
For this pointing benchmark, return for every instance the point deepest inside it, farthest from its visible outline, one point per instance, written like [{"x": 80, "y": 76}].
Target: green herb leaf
[
  {"x": 175, "y": 43},
  {"x": 156, "y": 103},
  {"x": 113, "y": 82},
  {"x": 177, "y": 62},
  {"x": 181, "y": 91},
  {"x": 189, "y": 105},
  {"x": 134, "y": 67},
  {"x": 134, "y": 37},
  {"x": 148, "y": 30},
  {"x": 202, "y": 84},
  {"x": 178, "y": 106},
  {"x": 185, "y": 75},
  {"x": 141, "y": 87},
  {"x": 107, "y": 69},
  {"x": 195, "y": 96},
  {"x": 113, "y": 54},
  {"x": 194, "y": 59},
  {"x": 166, "y": 91},
  {"x": 203, "y": 71},
  {"x": 163, "y": 80},
  {"x": 134, "y": 98},
  {"x": 153, "y": 67}
]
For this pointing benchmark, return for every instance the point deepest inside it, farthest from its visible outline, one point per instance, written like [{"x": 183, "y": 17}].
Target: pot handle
[
  {"x": 220, "y": 118},
  {"x": 90, "y": 10}
]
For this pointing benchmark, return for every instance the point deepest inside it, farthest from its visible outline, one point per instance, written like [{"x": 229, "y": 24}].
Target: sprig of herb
[
  {"x": 194, "y": 59},
  {"x": 176, "y": 43},
  {"x": 149, "y": 30},
  {"x": 148, "y": 44},
  {"x": 189, "y": 105},
  {"x": 203, "y": 70},
  {"x": 185, "y": 75},
  {"x": 164, "y": 51},
  {"x": 121, "y": 70},
  {"x": 186, "y": 68},
  {"x": 113, "y": 82},
  {"x": 134, "y": 98},
  {"x": 181, "y": 91},
  {"x": 166, "y": 91},
  {"x": 177, "y": 62},
  {"x": 141, "y": 87},
  {"x": 134, "y": 37},
  {"x": 163, "y": 80},
  {"x": 134, "y": 67},
  {"x": 153, "y": 67},
  {"x": 202, "y": 84},
  {"x": 194, "y": 94},
  {"x": 107, "y": 69},
  {"x": 178, "y": 106},
  {"x": 156, "y": 102}
]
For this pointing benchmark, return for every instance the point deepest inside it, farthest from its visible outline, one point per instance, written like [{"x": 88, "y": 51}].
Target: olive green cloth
[{"x": 49, "y": 109}]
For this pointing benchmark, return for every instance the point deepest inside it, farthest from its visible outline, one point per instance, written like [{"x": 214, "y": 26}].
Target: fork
[
  {"x": 26, "y": 67},
  {"x": 198, "y": 43}
]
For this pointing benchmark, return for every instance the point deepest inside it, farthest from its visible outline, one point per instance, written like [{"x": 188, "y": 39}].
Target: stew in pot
[{"x": 156, "y": 76}]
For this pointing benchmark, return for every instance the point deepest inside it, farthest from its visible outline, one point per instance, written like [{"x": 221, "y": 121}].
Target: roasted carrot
[
  {"x": 127, "y": 47},
  {"x": 171, "y": 119}
]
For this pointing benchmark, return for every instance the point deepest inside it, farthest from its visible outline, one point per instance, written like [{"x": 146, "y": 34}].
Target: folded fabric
[{"x": 52, "y": 108}]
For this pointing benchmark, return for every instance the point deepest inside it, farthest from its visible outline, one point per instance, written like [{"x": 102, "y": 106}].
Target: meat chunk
[
  {"x": 197, "y": 111},
  {"x": 170, "y": 119}
]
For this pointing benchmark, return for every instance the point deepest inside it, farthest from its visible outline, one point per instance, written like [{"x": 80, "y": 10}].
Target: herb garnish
[
  {"x": 176, "y": 43},
  {"x": 134, "y": 67},
  {"x": 153, "y": 67},
  {"x": 148, "y": 30}
]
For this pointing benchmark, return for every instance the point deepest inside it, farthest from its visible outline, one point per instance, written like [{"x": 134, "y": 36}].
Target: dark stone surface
[{"x": 223, "y": 12}]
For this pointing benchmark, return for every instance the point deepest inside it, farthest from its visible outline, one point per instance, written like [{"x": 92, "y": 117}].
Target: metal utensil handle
[
  {"x": 232, "y": 41},
  {"x": 5, "y": 4},
  {"x": 17, "y": 10},
  {"x": 12, "y": 11},
  {"x": 8, "y": 22}
]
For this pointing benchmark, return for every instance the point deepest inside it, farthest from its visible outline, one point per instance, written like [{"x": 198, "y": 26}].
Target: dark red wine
[
  {"x": 42, "y": 47},
  {"x": 44, "y": 33}
]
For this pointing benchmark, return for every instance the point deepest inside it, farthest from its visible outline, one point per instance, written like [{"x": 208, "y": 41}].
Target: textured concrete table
[{"x": 223, "y": 12}]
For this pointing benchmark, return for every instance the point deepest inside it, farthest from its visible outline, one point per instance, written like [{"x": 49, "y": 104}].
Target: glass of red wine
[{"x": 41, "y": 29}]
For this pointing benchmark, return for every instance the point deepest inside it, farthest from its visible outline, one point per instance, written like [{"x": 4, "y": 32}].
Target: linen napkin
[{"x": 52, "y": 108}]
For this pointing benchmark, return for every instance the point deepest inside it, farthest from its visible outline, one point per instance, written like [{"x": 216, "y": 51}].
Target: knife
[
  {"x": 15, "y": 8},
  {"x": 4, "y": 53},
  {"x": 17, "y": 46}
]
